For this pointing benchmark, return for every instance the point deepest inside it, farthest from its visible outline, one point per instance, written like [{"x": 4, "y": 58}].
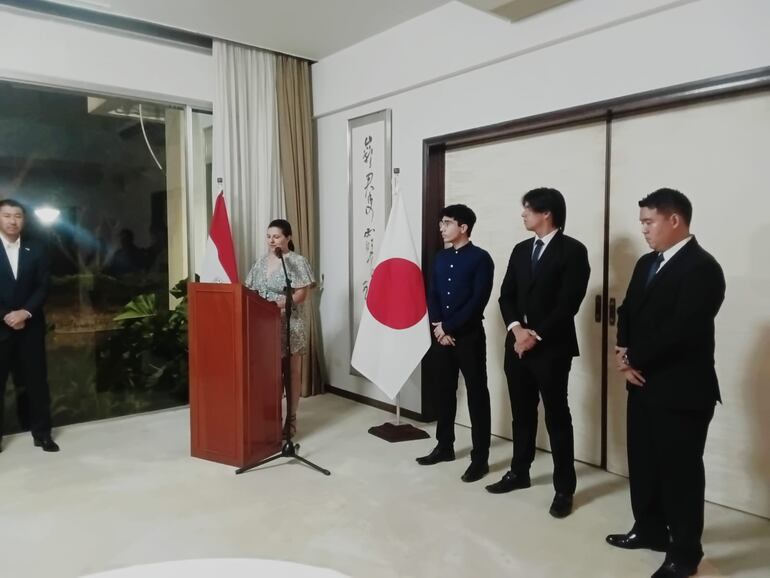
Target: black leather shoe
[
  {"x": 509, "y": 483},
  {"x": 47, "y": 444},
  {"x": 675, "y": 570},
  {"x": 561, "y": 507},
  {"x": 475, "y": 472},
  {"x": 439, "y": 454},
  {"x": 633, "y": 541}
]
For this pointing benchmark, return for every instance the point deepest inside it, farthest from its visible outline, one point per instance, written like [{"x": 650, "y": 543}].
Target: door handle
[
  {"x": 613, "y": 315},
  {"x": 598, "y": 309}
]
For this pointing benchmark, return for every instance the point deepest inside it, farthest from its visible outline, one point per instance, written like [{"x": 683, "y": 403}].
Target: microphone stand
[{"x": 289, "y": 449}]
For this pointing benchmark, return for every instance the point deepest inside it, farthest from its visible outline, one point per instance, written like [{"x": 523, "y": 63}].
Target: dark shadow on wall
[
  {"x": 623, "y": 257},
  {"x": 758, "y": 392}
]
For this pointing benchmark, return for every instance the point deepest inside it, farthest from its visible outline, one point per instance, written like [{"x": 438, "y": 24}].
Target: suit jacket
[
  {"x": 668, "y": 328},
  {"x": 550, "y": 297},
  {"x": 29, "y": 290}
]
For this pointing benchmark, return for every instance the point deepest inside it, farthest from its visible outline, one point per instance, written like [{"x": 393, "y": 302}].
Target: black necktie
[
  {"x": 536, "y": 253},
  {"x": 654, "y": 269}
]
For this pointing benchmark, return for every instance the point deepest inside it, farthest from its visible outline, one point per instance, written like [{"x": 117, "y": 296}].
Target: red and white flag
[
  {"x": 219, "y": 265},
  {"x": 394, "y": 332}
]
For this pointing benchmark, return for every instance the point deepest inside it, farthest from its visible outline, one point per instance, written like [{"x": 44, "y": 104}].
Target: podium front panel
[
  {"x": 262, "y": 406},
  {"x": 214, "y": 366},
  {"x": 235, "y": 374}
]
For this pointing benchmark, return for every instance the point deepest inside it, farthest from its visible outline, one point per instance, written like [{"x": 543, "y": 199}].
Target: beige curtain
[
  {"x": 295, "y": 141},
  {"x": 245, "y": 146}
]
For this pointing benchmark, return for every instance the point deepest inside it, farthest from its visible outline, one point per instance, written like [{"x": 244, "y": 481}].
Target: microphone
[{"x": 278, "y": 252}]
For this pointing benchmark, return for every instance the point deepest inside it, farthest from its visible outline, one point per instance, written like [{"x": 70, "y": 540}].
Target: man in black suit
[
  {"x": 544, "y": 285},
  {"x": 23, "y": 289},
  {"x": 665, "y": 350}
]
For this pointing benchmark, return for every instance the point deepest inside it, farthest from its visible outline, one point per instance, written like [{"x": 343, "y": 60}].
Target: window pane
[{"x": 114, "y": 169}]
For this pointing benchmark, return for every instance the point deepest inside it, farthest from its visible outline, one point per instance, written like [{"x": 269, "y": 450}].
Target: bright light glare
[{"x": 47, "y": 215}]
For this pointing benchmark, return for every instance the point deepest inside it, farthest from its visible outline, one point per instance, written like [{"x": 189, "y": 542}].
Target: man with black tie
[
  {"x": 23, "y": 289},
  {"x": 665, "y": 350},
  {"x": 459, "y": 291},
  {"x": 545, "y": 283}
]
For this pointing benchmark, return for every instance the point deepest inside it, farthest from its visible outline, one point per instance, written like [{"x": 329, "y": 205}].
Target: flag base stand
[
  {"x": 394, "y": 433},
  {"x": 398, "y": 432}
]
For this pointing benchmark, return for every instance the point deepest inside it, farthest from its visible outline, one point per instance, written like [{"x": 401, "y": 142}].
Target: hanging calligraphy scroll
[{"x": 369, "y": 169}]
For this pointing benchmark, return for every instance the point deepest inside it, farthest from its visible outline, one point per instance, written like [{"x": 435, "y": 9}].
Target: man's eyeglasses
[{"x": 443, "y": 223}]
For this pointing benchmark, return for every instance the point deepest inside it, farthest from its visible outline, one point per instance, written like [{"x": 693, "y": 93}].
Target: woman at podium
[{"x": 268, "y": 279}]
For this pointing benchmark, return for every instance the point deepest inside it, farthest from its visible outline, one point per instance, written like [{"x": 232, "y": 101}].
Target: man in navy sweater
[{"x": 459, "y": 291}]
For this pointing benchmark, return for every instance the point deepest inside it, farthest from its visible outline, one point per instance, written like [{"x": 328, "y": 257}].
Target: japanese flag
[{"x": 394, "y": 332}]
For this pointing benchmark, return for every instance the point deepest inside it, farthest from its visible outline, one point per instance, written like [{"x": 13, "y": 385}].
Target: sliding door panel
[
  {"x": 717, "y": 154},
  {"x": 491, "y": 179}
]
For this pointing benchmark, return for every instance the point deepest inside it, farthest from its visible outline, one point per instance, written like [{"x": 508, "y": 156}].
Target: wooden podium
[{"x": 235, "y": 374}]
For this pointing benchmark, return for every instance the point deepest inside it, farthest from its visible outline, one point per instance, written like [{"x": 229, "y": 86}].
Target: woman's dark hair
[{"x": 285, "y": 228}]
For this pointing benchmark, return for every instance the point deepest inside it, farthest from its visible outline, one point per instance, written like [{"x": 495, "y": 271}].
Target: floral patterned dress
[{"x": 271, "y": 288}]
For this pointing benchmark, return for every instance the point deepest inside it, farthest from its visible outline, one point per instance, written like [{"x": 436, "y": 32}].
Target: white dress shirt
[
  {"x": 547, "y": 239},
  {"x": 671, "y": 251},
  {"x": 12, "y": 250}
]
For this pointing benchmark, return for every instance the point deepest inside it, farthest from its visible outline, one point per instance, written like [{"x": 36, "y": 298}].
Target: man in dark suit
[
  {"x": 23, "y": 289},
  {"x": 544, "y": 285},
  {"x": 665, "y": 350},
  {"x": 459, "y": 291}
]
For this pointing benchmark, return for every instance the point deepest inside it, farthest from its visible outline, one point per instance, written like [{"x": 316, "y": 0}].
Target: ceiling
[{"x": 312, "y": 29}]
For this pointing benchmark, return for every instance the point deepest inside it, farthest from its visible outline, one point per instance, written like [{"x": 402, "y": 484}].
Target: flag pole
[{"x": 396, "y": 173}]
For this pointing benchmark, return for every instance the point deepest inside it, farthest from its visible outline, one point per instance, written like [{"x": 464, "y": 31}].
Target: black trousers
[
  {"x": 469, "y": 356},
  {"x": 529, "y": 379},
  {"x": 22, "y": 354},
  {"x": 666, "y": 474}
]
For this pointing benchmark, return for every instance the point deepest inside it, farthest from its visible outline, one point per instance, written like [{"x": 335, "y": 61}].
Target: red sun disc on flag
[{"x": 396, "y": 296}]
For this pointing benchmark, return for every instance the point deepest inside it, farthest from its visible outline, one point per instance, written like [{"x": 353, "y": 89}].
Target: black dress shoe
[
  {"x": 439, "y": 454},
  {"x": 561, "y": 507},
  {"x": 675, "y": 570},
  {"x": 633, "y": 541},
  {"x": 509, "y": 483},
  {"x": 47, "y": 444},
  {"x": 475, "y": 472}
]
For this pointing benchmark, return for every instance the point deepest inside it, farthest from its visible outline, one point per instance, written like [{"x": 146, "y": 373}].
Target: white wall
[
  {"x": 57, "y": 52},
  {"x": 457, "y": 68}
]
